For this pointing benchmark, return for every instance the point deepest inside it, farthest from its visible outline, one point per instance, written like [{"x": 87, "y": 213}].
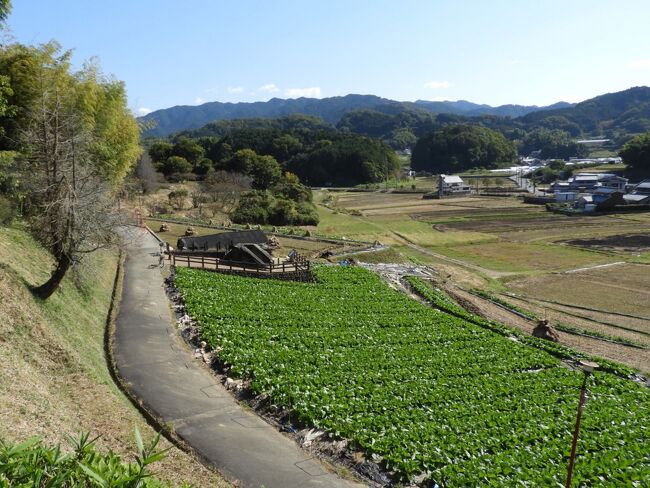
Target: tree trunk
[{"x": 45, "y": 290}]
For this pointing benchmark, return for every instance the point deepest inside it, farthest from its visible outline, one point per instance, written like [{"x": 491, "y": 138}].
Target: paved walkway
[{"x": 161, "y": 372}]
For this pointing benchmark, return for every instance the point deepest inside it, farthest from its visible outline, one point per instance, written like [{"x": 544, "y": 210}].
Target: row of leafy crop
[
  {"x": 33, "y": 463},
  {"x": 427, "y": 391},
  {"x": 441, "y": 300}
]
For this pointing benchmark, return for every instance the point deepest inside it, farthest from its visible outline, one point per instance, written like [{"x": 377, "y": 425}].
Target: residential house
[
  {"x": 452, "y": 185},
  {"x": 591, "y": 181}
]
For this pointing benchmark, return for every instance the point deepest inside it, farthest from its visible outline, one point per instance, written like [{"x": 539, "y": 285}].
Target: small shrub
[
  {"x": 177, "y": 198},
  {"x": 32, "y": 463}
]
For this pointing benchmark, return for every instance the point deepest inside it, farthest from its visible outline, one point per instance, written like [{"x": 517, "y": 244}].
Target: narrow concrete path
[{"x": 160, "y": 371}]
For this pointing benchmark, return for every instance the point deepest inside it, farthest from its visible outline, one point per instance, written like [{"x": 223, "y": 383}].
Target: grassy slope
[{"x": 53, "y": 375}]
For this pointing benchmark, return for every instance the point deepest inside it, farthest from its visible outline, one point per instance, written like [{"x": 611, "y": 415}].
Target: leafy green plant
[
  {"x": 467, "y": 401},
  {"x": 31, "y": 463}
]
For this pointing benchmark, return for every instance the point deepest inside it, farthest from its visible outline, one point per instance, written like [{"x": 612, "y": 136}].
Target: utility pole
[{"x": 587, "y": 368}]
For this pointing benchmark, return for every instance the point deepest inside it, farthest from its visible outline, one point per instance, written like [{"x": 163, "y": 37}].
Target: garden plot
[{"x": 426, "y": 393}]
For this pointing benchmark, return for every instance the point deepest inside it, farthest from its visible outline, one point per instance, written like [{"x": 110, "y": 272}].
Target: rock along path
[{"x": 159, "y": 370}]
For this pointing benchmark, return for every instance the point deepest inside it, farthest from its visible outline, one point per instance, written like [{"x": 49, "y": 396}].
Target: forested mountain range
[
  {"x": 331, "y": 110},
  {"x": 624, "y": 111}
]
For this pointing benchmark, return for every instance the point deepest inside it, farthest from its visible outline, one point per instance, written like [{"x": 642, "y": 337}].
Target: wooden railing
[{"x": 297, "y": 265}]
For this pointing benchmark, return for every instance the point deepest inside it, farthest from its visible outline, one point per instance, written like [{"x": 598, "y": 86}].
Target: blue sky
[{"x": 491, "y": 51}]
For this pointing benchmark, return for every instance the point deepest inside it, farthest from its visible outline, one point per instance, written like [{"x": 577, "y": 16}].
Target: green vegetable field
[{"x": 427, "y": 391}]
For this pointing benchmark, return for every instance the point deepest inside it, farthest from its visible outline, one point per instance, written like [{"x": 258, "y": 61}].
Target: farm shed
[{"x": 222, "y": 242}]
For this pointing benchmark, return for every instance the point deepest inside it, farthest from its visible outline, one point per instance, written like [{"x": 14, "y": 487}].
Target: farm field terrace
[
  {"x": 594, "y": 288},
  {"x": 426, "y": 391}
]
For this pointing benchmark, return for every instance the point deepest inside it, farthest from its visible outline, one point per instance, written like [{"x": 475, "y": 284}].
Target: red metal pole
[{"x": 576, "y": 431}]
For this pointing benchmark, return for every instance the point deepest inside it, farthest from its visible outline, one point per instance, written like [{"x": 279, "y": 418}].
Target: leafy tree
[
  {"x": 241, "y": 161},
  {"x": 461, "y": 147},
  {"x": 253, "y": 207},
  {"x": 402, "y": 138},
  {"x": 556, "y": 164},
  {"x": 368, "y": 122},
  {"x": 103, "y": 107},
  {"x": 396, "y": 129},
  {"x": 556, "y": 170},
  {"x": 636, "y": 154},
  {"x": 21, "y": 67},
  {"x": 283, "y": 212},
  {"x": 188, "y": 149},
  {"x": 5, "y": 9},
  {"x": 345, "y": 160},
  {"x": 264, "y": 207},
  {"x": 291, "y": 188},
  {"x": 175, "y": 164},
  {"x": 160, "y": 151},
  {"x": 286, "y": 146},
  {"x": 202, "y": 167},
  {"x": 559, "y": 122},
  {"x": 552, "y": 143},
  {"x": 77, "y": 142},
  {"x": 265, "y": 172}
]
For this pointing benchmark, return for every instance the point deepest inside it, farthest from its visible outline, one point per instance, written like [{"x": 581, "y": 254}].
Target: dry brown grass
[
  {"x": 53, "y": 375},
  {"x": 622, "y": 289}
]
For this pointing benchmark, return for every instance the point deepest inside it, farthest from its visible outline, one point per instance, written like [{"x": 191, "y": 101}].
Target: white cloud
[
  {"x": 437, "y": 84},
  {"x": 198, "y": 101},
  {"x": 311, "y": 92},
  {"x": 270, "y": 88},
  {"x": 143, "y": 111},
  {"x": 639, "y": 64},
  {"x": 235, "y": 89}
]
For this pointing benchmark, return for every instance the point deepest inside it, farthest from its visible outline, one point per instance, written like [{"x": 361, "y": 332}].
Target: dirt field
[
  {"x": 630, "y": 356},
  {"x": 634, "y": 330},
  {"x": 621, "y": 289},
  {"x": 379, "y": 203},
  {"x": 626, "y": 243}
]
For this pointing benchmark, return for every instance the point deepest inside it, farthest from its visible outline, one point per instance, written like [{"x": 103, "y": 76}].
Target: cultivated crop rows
[{"x": 426, "y": 391}]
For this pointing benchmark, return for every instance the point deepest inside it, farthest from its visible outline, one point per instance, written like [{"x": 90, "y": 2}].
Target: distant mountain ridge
[
  {"x": 470, "y": 109},
  {"x": 331, "y": 109},
  {"x": 627, "y": 110}
]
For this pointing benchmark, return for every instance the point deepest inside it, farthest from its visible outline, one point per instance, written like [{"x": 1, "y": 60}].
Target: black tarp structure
[
  {"x": 248, "y": 253},
  {"x": 221, "y": 242}
]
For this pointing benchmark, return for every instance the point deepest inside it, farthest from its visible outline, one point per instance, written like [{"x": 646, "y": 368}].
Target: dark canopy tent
[{"x": 220, "y": 242}]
